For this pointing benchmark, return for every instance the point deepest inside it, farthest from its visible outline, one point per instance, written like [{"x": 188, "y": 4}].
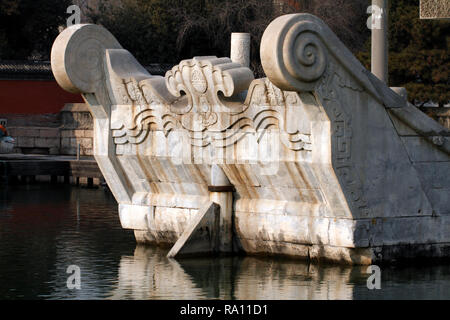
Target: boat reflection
[{"x": 148, "y": 274}]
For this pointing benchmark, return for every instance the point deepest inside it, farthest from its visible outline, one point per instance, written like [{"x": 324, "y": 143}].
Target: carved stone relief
[
  {"x": 206, "y": 118},
  {"x": 342, "y": 134}
]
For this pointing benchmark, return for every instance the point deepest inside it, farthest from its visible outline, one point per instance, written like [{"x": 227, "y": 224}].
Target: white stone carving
[
  {"x": 293, "y": 53},
  {"x": 357, "y": 170}
]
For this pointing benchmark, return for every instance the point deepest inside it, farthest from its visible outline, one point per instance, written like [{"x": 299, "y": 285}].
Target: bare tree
[
  {"x": 217, "y": 21},
  {"x": 170, "y": 30}
]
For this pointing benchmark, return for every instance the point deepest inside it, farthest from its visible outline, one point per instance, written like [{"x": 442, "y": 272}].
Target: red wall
[{"x": 34, "y": 97}]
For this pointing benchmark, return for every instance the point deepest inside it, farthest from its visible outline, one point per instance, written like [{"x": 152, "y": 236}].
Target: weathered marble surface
[{"x": 326, "y": 162}]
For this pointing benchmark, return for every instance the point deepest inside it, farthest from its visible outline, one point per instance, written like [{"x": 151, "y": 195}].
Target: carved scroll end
[
  {"x": 77, "y": 57},
  {"x": 293, "y": 54},
  {"x": 207, "y": 76}
]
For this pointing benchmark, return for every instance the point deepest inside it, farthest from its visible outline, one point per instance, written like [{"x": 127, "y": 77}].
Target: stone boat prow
[{"x": 320, "y": 160}]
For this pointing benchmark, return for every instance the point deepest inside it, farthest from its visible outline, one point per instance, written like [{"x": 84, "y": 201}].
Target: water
[{"x": 44, "y": 229}]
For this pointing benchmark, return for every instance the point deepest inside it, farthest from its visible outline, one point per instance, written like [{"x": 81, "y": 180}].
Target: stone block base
[
  {"x": 328, "y": 254},
  {"x": 161, "y": 226}
]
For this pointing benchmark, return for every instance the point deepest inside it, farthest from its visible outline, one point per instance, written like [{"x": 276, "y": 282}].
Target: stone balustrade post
[{"x": 240, "y": 48}]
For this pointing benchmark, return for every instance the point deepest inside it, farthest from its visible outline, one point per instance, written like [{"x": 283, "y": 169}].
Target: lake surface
[{"x": 45, "y": 229}]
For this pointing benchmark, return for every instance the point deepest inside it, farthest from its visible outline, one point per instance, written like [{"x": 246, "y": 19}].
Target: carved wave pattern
[
  {"x": 263, "y": 113},
  {"x": 264, "y": 122},
  {"x": 146, "y": 117}
]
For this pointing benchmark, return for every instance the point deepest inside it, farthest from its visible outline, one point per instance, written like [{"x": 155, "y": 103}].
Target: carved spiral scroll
[
  {"x": 78, "y": 55},
  {"x": 293, "y": 54}
]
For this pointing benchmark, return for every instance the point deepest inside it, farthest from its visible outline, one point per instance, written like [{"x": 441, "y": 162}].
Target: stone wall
[
  {"x": 36, "y": 139},
  {"x": 60, "y": 135},
  {"x": 76, "y": 129}
]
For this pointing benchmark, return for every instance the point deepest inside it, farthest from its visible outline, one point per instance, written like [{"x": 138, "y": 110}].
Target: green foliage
[
  {"x": 418, "y": 54},
  {"x": 29, "y": 27}
]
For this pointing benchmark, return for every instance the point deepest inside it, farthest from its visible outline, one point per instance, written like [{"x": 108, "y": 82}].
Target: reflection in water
[
  {"x": 149, "y": 275},
  {"x": 45, "y": 229}
]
